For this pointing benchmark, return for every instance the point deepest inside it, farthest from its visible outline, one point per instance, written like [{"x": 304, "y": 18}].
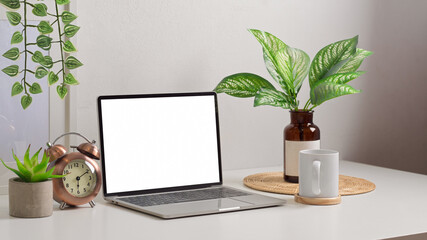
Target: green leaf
[
  {"x": 70, "y": 80},
  {"x": 26, "y": 101},
  {"x": 291, "y": 63},
  {"x": 40, "y": 9},
  {"x": 242, "y": 85},
  {"x": 45, "y": 157},
  {"x": 41, "y": 72},
  {"x": 288, "y": 66},
  {"x": 11, "y": 70},
  {"x": 57, "y": 176},
  {"x": 17, "y": 88},
  {"x": 52, "y": 78},
  {"x": 72, "y": 63},
  {"x": 27, "y": 162},
  {"x": 35, "y": 88},
  {"x": 354, "y": 61},
  {"x": 37, "y": 57},
  {"x": 340, "y": 78},
  {"x": 268, "y": 41},
  {"x": 70, "y": 30},
  {"x": 44, "y": 27},
  {"x": 20, "y": 175},
  {"x": 331, "y": 58},
  {"x": 69, "y": 47},
  {"x": 62, "y": 91},
  {"x": 326, "y": 90},
  {"x": 12, "y": 54},
  {"x": 62, "y": 2},
  {"x": 47, "y": 62},
  {"x": 12, "y": 4},
  {"x": 67, "y": 17},
  {"x": 34, "y": 158},
  {"x": 14, "y": 18},
  {"x": 42, "y": 166},
  {"x": 16, "y": 38},
  {"x": 25, "y": 172},
  {"x": 270, "y": 45},
  {"x": 39, "y": 169},
  {"x": 273, "y": 98},
  {"x": 44, "y": 42},
  {"x": 42, "y": 176}
]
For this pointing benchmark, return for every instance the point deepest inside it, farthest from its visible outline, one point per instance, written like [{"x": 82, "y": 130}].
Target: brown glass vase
[{"x": 299, "y": 135}]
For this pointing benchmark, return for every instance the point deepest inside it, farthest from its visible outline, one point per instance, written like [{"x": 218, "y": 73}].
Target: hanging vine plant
[{"x": 46, "y": 65}]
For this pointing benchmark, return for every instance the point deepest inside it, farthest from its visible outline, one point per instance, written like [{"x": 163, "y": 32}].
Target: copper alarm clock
[{"x": 82, "y": 176}]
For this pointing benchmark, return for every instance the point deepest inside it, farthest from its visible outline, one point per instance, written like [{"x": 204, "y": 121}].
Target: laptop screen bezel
[{"x": 157, "y": 95}]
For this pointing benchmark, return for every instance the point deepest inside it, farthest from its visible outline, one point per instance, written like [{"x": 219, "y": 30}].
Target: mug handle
[{"x": 316, "y": 178}]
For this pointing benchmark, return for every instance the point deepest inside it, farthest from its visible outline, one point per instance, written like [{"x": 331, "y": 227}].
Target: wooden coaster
[
  {"x": 273, "y": 182},
  {"x": 318, "y": 201}
]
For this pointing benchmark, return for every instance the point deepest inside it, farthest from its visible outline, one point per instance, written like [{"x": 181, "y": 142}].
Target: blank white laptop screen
[{"x": 159, "y": 142}]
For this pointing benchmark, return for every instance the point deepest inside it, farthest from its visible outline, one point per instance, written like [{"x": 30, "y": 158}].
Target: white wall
[{"x": 152, "y": 46}]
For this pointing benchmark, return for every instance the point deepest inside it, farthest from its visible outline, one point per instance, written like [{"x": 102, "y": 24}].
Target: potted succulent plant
[
  {"x": 30, "y": 194},
  {"x": 329, "y": 73}
]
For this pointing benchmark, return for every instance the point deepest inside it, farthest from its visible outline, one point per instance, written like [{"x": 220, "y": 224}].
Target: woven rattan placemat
[{"x": 273, "y": 182}]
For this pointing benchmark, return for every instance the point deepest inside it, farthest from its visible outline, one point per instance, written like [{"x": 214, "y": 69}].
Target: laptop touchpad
[{"x": 200, "y": 207}]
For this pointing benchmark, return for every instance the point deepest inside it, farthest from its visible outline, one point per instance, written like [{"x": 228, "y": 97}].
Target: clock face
[{"x": 80, "y": 179}]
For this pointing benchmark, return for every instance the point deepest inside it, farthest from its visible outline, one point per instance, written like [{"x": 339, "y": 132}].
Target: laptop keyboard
[{"x": 183, "y": 196}]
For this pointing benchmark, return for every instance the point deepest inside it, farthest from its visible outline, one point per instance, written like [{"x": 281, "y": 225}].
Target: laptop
[{"x": 160, "y": 154}]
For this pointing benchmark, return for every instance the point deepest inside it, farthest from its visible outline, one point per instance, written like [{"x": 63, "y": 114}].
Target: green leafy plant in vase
[
  {"x": 46, "y": 66},
  {"x": 329, "y": 73},
  {"x": 32, "y": 170},
  {"x": 31, "y": 194}
]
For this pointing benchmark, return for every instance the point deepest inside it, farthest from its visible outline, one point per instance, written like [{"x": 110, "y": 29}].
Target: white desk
[{"x": 397, "y": 207}]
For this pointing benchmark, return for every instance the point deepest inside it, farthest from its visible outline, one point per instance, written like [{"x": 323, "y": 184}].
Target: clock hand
[
  {"x": 83, "y": 174},
  {"x": 78, "y": 179}
]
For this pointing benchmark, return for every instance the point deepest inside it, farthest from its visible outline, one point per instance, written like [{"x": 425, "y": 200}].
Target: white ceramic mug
[{"x": 318, "y": 173}]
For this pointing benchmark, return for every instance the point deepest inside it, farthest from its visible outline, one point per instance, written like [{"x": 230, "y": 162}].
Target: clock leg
[
  {"x": 62, "y": 206},
  {"x": 92, "y": 204}
]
